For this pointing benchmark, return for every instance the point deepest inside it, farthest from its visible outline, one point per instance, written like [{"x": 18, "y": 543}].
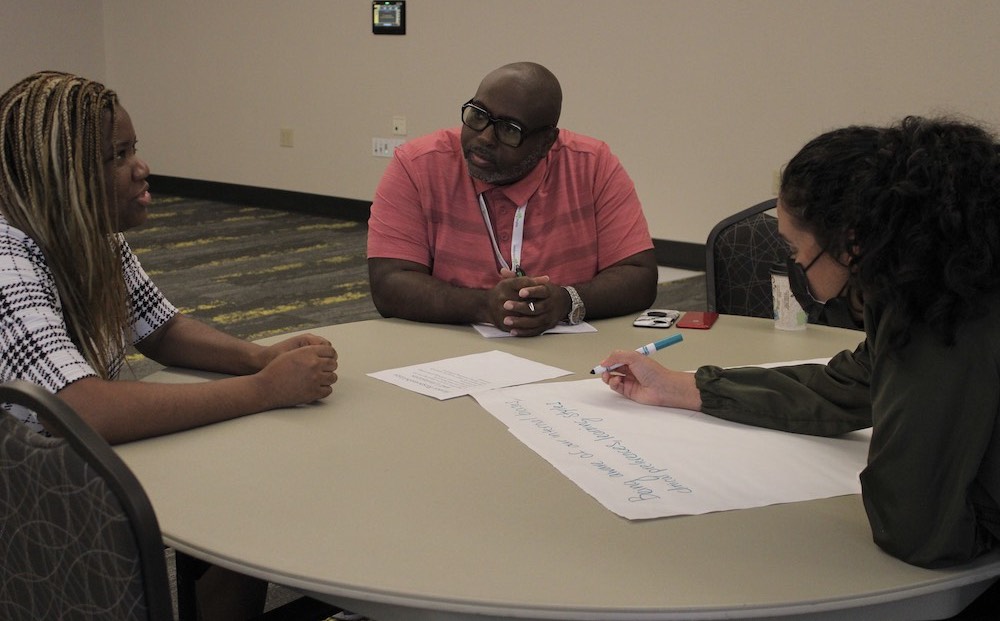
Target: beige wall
[
  {"x": 702, "y": 100},
  {"x": 66, "y": 35}
]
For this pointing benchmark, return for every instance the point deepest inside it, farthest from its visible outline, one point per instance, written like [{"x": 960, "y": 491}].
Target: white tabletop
[{"x": 401, "y": 506}]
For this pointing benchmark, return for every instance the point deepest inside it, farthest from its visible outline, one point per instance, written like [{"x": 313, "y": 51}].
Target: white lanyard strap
[{"x": 516, "y": 238}]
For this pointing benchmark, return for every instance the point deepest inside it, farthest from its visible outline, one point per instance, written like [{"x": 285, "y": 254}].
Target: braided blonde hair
[{"x": 53, "y": 188}]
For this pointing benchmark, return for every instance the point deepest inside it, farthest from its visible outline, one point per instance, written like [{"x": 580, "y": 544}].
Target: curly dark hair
[{"x": 917, "y": 208}]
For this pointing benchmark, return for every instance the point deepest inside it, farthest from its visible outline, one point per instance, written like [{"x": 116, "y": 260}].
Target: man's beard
[{"x": 510, "y": 175}]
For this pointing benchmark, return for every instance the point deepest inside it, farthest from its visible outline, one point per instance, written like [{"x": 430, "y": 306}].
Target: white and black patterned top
[{"x": 36, "y": 345}]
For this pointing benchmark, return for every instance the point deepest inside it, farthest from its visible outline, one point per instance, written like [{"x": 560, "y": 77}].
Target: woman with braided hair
[
  {"x": 907, "y": 219},
  {"x": 73, "y": 295}
]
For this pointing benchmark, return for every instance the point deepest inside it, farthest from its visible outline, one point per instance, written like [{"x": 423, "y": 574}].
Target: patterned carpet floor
[
  {"x": 256, "y": 272},
  {"x": 253, "y": 272}
]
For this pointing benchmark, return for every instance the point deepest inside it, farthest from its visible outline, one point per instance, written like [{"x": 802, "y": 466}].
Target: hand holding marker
[{"x": 645, "y": 350}]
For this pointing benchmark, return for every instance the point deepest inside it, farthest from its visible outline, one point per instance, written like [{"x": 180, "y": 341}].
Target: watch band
[{"x": 576, "y": 310}]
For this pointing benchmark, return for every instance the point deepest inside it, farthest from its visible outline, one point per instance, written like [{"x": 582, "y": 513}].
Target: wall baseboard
[
  {"x": 680, "y": 255},
  {"x": 269, "y": 198}
]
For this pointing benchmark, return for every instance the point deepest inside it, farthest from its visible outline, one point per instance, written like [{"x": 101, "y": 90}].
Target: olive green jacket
[{"x": 932, "y": 483}]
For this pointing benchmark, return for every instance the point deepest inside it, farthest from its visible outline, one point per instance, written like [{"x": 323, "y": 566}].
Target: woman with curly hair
[
  {"x": 73, "y": 295},
  {"x": 903, "y": 222}
]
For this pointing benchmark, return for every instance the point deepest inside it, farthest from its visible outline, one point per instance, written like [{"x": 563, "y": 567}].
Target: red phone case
[{"x": 699, "y": 320}]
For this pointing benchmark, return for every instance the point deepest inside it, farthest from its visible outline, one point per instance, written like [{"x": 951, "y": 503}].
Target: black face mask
[
  {"x": 798, "y": 282},
  {"x": 834, "y": 312}
]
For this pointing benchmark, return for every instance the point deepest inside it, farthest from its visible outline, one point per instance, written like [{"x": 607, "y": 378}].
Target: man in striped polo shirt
[{"x": 509, "y": 219}]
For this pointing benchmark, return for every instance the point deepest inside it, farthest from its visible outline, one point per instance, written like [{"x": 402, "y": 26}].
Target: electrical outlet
[
  {"x": 776, "y": 181},
  {"x": 399, "y": 125},
  {"x": 383, "y": 147},
  {"x": 287, "y": 137}
]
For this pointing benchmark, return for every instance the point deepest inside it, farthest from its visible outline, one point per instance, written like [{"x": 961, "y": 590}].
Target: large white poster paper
[{"x": 648, "y": 462}]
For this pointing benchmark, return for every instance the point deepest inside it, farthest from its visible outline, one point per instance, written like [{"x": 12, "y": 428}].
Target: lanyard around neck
[{"x": 516, "y": 237}]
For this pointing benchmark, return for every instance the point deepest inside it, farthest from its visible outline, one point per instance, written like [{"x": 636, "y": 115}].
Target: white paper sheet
[
  {"x": 647, "y": 462},
  {"x": 454, "y": 377},
  {"x": 490, "y": 331}
]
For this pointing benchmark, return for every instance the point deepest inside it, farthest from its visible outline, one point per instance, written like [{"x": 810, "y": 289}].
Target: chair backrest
[
  {"x": 78, "y": 535},
  {"x": 739, "y": 254}
]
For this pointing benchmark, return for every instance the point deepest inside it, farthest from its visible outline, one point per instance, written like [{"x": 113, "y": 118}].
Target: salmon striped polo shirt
[{"x": 582, "y": 213}]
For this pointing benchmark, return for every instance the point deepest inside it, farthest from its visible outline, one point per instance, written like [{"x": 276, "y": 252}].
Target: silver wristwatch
[{"x": 576, "y": 309}]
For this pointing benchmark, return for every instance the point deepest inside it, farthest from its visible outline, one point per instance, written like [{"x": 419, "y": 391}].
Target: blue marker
[{"x": 645, "y": 350}]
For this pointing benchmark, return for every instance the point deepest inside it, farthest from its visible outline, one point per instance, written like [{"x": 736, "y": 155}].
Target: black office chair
[
  {"x": 78, "y": 536},
  {"x": 739, "y": 254}
]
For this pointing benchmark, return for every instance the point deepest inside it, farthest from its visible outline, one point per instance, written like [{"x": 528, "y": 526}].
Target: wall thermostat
[{"x": 389, "y": 17}]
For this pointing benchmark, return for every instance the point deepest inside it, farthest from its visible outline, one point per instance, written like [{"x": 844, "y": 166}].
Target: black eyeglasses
[{"x": 507, "y": 132}]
